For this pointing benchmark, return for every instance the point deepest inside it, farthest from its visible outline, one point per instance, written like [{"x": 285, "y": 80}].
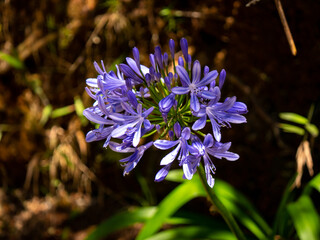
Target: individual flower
[
  {"x": 131, "y": 161},
  {"x": 195, "y": 86},
  {"x": 181, "y": 146},
  {"x": 199, "y": 150},
  {"x": 220, "y": 114},
  {"x": 135, "y": 119}
]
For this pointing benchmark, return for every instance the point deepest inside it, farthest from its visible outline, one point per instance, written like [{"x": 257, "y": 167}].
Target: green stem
[{"x": 234, "y": 227}]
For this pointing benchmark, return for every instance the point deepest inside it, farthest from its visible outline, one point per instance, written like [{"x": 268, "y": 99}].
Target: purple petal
[
  {"x": 92, "y": 82},
  {"x": 136, "y": 56},
  {"x": 196, "y": 72},
  {"x": 200, "y": 123},
  {"x": 133, "y": 64},
  {"x": 137, "y": 135},
  {"x": 96, "y": 118},
  {"x": 180, "y": 90},
  {"x": 194, "y": 102},
  {"x": 208, "y": 78},
  {"x": 177, "y": 129},
  {"x": 222, "y": 77},
  {"x": 171, "y": 47},
  {"x": 208, "y": 95},
  {"x": 186, "y": 133},
  {"x": 184, "y": 48},
  {"x": 171, "y": 156},
  {"x": 184, "y": 77},
  {"x": 208, "y": 140},
  {"x": 163, "y": 172},
  {"x": 165, "y": 144}
]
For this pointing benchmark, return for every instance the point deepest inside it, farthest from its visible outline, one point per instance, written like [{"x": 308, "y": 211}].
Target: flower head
[{"x": 128, "y": 104}]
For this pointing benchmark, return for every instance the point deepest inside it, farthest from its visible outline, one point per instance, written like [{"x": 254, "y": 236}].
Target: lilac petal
[
  {"x": 152, "y": 61},
  {"x": 227, "y": 104},
  {"x": 166, "y": 103},
  {"x": 132, "y": 98},
  {"x": 90, "y": 93},
  {"x": 165, "y": 144},
  {"x": 163, "y": 172},
  {"x": 171, "y": 156},
  {"x": 184, "y": 48},
  {"x": 96, "y": 118},
  {"x": 208, "y": 95},
  {"x": 207, "y": 167},
  {"x": 238, "y": 107},
  {"x": 158, "y": 56},
  {"x": 186, "y": 133},
  {"x": 227, "y": 155},
  {"x": 215, "y": 128},
  {"x": 180, "y": 62},
  {"x": 234, "y": 118},
  {"x": 113, "y": 83},
  {"x": 205, "y": 70},
  {"x": 98, "y": 69},
  {"x": 208, "y": 141},
  {"x": 171, "y": 47},
  {"x": 127, "y": 71},
  {"x": 92, "y": 82},
  {"x": 194, "y": 102},
  {"x": 134, "y": 66},
  {"x": 177, "y": 129},
  {"x": 98, "y": 134},
  {"x": 208, "y": 78},
  {"x": 147, "y": 124},
  {"x": 200, "y": 123},
  {"x": 147, "y": 112},
  {"x": 116, "y": 147},
  {"x": 196, "y": 72},
  {"x": 222, "y": 77},
  {"x": 121, "y": 118},
  {"x": 121, "y": 130},
  {"x": 184, "y": 77},
  {"x": 180, "y": 90},
  {"x": 137, "y": 135},
  {"x": 127, "y": 108},
  {"x": 188, "y": 174},
  {"x": 102, "y": 106},
  {"x": 136, "y": 56}
]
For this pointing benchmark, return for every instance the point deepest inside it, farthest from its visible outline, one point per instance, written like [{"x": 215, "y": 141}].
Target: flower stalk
[{"x": 227, "y": 216}]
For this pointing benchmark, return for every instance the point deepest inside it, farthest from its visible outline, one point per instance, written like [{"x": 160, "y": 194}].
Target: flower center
[{"x": 193, "y": 87}]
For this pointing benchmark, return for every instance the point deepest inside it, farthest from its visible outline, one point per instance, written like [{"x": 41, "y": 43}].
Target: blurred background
[{"x": 53, "y": 185}]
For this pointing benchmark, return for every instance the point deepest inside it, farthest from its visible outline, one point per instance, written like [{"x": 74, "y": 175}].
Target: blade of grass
[
  {"x": 168, "y": 206},
  {"x": 305, "y": 218}
]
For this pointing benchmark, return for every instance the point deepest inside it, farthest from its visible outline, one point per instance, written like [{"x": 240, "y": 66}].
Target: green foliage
[
  {"x": 12, "y": 60},
  {"x": 305, "y": 218},
  {"x": 301, "y": 120}
]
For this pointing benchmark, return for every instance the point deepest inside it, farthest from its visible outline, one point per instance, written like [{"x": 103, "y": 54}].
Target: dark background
[{"x": 57, "y": 41}]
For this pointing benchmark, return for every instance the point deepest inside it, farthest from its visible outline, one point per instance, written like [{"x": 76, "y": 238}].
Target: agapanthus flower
[{"x": 139, "y": 101}]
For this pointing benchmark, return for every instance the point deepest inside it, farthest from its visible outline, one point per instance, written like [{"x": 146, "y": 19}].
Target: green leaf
[
  {"x": 121, "y": 220},
  {"x": 194, "y": 232},
  {"x": 313, "y": 183},
  {"x": 172, "y": 202},
  {"x": 46, "y": 112},
  {"x": 292, "y": 129},
  {"x": 11, "y": 60},
  {"x": 293, "y": 117},
  {"x": 60, "y": 112},
  {"x": 305, "y": 218},
  {"x": 175, "y": 175},
  {"x": 242, "y": 209},
  {"x": 312, "y": 129}
]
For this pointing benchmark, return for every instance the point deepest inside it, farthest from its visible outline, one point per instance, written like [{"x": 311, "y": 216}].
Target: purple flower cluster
[{"x": 171, "y": 101}]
